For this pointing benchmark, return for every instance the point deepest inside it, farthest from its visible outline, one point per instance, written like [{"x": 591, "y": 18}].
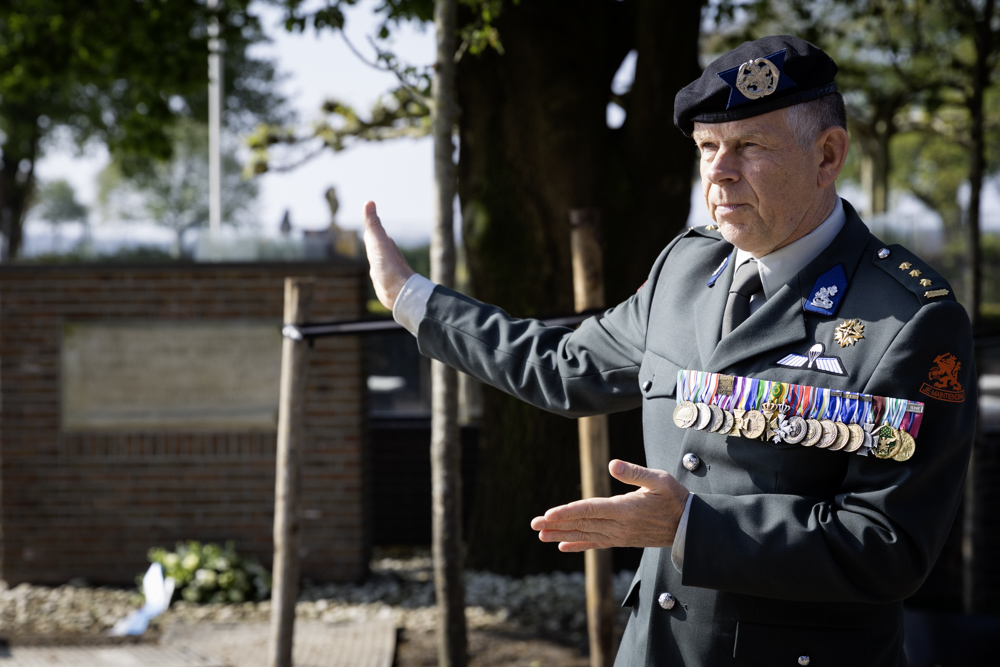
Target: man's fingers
[
  {"x": 575, "y": 536},
  {"x": 572, "y": 547},
  {"x": 591, "y": 508},
  {"x": 636, "y": 475}
]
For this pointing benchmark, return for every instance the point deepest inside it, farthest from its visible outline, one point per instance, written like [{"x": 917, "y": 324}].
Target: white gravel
[{"x": 398, "y": 588}]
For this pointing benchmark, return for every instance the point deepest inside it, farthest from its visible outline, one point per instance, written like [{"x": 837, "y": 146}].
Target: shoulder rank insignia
[
  {"x": 814, "y": 360},
  {"x": 828, "y": 292}
]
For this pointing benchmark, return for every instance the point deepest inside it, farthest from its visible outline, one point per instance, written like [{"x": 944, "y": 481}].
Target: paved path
[{"x": 367, "y": 644}]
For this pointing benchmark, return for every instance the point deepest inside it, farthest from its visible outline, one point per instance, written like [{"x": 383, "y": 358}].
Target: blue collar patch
[
  {"x": 755, "y": 79},
  {"x": 828, "y": 292}
]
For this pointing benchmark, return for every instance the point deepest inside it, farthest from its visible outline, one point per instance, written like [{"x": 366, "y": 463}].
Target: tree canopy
[{"x": 115, "y": 71}]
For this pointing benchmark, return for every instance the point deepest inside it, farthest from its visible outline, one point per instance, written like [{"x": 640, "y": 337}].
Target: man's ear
[{"x": 832, "y": 144}]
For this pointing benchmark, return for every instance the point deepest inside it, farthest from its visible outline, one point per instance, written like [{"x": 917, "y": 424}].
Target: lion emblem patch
[{"x": 942, "y": 381}]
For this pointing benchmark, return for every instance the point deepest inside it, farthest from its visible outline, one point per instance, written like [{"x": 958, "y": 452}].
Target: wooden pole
[
  {"x": 446, "y": 475},
  {"x": 287, "y": 475},
  {"x": 588, "y": 292}
]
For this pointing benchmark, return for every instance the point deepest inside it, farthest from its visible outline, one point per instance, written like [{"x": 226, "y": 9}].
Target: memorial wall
[{"x": 138, "y": 407}]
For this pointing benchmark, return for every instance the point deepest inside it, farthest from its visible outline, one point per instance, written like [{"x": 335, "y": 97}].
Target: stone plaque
[{"x": 171, "y": 376}]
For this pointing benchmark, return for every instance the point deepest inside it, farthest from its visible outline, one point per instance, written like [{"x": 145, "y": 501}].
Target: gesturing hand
[
  {"x": 646, "y": 517},
  {"x": 389, "y": 270}
]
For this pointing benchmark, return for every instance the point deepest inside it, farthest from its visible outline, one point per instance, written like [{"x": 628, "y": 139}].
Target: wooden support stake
[
  {"x": 287, "y": 474},
  {"x": 588, "y": 292}
]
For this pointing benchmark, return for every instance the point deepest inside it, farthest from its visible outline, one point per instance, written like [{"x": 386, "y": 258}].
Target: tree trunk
[
  {"x": 446, "y": 475},
  {"x": 535, "y": 145},
  {"x": 16, "y": 182}
]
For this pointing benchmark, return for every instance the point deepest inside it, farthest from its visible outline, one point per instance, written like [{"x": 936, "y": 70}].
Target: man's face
[{"x": 760, "y": 187}]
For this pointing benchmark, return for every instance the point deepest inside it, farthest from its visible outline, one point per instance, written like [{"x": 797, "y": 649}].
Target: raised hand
[{"x": 389, "y": 270}]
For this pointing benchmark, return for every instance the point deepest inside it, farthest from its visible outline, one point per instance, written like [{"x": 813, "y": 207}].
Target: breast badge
[
  {"x": 849, "y": 332},
  {"x": 942, "y": 381},
  {"x": 813, "y": 360}
]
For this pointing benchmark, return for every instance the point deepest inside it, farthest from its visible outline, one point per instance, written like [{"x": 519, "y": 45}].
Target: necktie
[{"x": 746, "y": 282}]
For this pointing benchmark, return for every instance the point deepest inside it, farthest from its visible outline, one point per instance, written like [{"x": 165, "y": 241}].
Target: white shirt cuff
[
  {"x": 411, "y": 302},
  {"x": 677, "y": 551}
]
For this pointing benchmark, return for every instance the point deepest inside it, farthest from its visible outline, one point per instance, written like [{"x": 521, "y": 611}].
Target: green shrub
[{"x": 210, "y": 573}]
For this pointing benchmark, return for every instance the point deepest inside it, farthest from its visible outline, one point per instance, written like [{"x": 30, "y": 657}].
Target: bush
[{"x": 210, "y": 573}]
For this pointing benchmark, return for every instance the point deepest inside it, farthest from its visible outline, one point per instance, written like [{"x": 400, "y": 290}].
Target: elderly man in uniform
[{"x": 807, "y": 391}]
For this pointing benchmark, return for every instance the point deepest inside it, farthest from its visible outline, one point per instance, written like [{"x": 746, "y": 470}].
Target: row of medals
[{"x": 771, "y": 421}]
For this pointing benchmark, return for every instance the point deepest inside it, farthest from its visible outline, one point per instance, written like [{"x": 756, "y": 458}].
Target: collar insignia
[
  {"x": 718, "y": 271},
  {"x": 828, "y": 292},
  {"x": 755, "y": 79}
]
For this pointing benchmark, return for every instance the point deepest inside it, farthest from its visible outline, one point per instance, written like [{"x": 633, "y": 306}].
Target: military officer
[{"x": 807, "y": 391}]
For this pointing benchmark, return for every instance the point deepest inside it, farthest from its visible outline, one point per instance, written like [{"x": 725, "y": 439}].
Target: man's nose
[{"x": 723, "y": 167}]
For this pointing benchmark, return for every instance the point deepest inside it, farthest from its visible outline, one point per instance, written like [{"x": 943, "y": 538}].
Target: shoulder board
[
  {"x": 706, "y": 231},
  {"x": 913, "y": 273}
]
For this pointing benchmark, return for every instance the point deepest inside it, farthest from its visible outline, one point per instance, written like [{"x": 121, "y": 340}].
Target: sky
[{"x": 397, "y": 175}]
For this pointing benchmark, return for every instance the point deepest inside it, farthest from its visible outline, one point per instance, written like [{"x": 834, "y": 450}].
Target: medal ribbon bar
[{"x": 882, "y": 426}]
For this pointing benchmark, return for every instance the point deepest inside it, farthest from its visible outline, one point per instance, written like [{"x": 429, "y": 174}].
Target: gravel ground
[{"x": 501, "y": 609}]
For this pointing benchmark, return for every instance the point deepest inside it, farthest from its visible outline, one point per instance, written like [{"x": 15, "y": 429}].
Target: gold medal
[
  {"x": 717, "y": 418},
  {"x": 857, "y": 437},
  {"x": 704, "y": 416},
  {"x": 797, "y": 430},
  {"x": 685, "y": 414},
  {"x": 728, "y": 423},
  {"x": 843, "y": 437},
  {"x": 754, "y": 424},
  {"x": 907, "y": 448},
  {"x": 814, "y": 433},
  {"x": 829, "y": 433},
  {"x": 887, "y": 442}
]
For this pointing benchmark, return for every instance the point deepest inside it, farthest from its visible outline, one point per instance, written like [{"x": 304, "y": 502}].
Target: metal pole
[{"x": 214, "y": 124}]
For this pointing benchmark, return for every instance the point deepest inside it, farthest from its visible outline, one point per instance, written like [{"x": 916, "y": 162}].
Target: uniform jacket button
[
  {"x": 804, "y": 660},
  {"x": 667, "y": 601},
  {"x": 647, "y": 385},
  {"x": 691, "y": 461}
]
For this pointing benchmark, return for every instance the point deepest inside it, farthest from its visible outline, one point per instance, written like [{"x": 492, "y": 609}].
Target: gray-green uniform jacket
[{"x": 791, "y": 551}]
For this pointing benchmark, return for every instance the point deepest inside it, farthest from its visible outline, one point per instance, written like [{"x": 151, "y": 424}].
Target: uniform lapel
[
  {"x": 708, "y": 313},
  {"x": 781, "y": 320}
]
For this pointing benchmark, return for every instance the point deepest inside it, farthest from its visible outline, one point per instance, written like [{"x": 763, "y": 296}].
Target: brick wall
[{"x": 90, "y": 504}]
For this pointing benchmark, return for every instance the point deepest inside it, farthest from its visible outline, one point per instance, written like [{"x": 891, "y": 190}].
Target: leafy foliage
[
  {"x": 119, "y": 72},
  {"x": 210, "y": 573},
  {"x": 173, "y": 192}
]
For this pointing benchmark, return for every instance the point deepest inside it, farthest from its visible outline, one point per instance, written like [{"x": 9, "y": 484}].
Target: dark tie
[{"x": 746, "y": 282}]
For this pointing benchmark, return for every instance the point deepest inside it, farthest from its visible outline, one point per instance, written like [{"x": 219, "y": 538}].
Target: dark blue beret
[{"x": 755, "y": 78}]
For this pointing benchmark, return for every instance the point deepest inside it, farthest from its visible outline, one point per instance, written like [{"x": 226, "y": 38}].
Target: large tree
[
  {"x": 534, "y": 85},
  {"x": 115, "y": 71}
]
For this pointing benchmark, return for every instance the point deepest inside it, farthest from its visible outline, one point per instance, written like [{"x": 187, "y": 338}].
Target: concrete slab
[
  {"x": 104, "y": 656},
  {"x": 316, "y": 644}
]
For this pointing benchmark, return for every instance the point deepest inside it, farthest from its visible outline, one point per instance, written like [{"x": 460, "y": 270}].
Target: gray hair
[{"x": 808, "y": 119}]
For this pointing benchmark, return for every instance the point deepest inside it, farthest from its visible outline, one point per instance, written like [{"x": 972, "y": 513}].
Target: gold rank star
[
  {"x": 925, "y": 282},
  {"x": 849, "y": 332},
  {"x": 915, "y": 273},
  {"x": 904, "y": 266}
]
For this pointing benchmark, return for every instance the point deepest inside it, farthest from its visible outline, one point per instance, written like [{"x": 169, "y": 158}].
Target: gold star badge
[
  {"x": 904, "y": 266},
  {"x": 915, "y": 273},
  {"x": 849, "y": 332},
  {"x": 925, "y": 282}
]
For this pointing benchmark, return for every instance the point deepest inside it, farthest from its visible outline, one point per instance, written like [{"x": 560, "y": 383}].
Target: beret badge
[{"x": 756, "y": 78}]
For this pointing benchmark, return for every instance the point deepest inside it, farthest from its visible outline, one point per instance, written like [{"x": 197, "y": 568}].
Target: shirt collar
[{"x": 780, "y": 266}]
